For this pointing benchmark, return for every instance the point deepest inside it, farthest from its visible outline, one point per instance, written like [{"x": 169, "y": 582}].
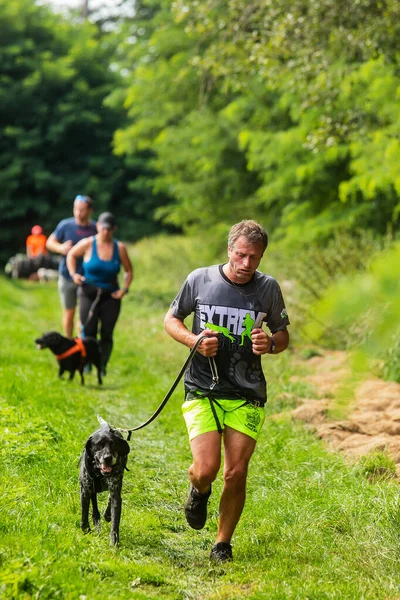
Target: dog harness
[{"x": 79, "y": 347}]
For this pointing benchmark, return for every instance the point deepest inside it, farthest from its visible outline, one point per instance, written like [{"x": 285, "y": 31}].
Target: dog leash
[
  {"x": 91, "y": 311},
  {"x": 187, "y": 362}
]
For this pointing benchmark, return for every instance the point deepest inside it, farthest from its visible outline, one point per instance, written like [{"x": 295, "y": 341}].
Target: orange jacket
[{"x": 36, "y": 245}]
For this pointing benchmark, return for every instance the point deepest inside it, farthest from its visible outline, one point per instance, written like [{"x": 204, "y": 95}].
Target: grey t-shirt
[{"x": 232, "y": 310}]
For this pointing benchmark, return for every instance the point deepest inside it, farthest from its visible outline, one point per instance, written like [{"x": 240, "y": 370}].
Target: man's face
[
  {"x": 244, "y": 259},
  {"x": 82, "y": 212}
]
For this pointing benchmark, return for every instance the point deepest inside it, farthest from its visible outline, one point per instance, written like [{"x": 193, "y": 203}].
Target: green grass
[{"x": 313, "y": 526}]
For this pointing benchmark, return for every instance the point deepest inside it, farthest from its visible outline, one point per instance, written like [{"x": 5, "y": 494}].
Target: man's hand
[
  {"x": 209, "y": 346},
  {"x": 66, "y": 247},
  {"x": 261, "y": 341}
]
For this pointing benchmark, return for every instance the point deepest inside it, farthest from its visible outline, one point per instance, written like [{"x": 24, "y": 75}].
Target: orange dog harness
[{"x": 79, "y": 347}]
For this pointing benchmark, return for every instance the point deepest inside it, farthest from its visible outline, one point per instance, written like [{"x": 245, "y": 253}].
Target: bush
[
  {"x": 391, "y": 359},
  {"x": 312, "y": 270}
]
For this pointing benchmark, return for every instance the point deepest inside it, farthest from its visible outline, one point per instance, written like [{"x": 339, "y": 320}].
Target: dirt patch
[{"x": 373, "y": 420}]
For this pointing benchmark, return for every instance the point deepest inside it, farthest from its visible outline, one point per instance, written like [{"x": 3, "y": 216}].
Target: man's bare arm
[{"x": 54, "y": 246}]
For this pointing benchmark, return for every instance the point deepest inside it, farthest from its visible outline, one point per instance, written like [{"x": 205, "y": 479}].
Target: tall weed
[
  {"x": 309, "y": 272},
  {"x": 370, "y": 299},
  {"x": 167, "y": 260}
]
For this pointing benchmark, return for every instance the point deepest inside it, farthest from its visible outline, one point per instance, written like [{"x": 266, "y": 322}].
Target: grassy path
[{"x": 312, "y": 526}]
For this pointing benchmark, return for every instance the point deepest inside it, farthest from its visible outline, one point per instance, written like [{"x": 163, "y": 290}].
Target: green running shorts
[{"x": 199, "y": 417}]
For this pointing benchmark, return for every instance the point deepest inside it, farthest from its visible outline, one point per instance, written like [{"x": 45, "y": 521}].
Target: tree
[
  {"x": 258, "y": 109},
  {"x": 57, "y": 127}
]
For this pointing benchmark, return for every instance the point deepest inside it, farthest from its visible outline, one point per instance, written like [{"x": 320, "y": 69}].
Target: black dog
[
  {"x": 102, "y": 468},
  {"x": 72, "y": 355}
]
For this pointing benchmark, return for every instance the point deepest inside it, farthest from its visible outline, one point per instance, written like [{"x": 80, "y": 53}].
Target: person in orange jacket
[{"x": 36, "y": 242}]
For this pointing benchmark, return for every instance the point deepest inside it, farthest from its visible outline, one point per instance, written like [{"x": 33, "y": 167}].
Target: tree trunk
[{"x": 85, "y": 9}]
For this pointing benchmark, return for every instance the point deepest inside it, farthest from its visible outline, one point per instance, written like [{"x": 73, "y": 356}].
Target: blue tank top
[{"x": 102, "y": 273}]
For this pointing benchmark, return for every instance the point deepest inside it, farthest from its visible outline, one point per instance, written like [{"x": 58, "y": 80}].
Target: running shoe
[
  {"x": 196, "y": 508},
  {"x": 221, "y": 552}
]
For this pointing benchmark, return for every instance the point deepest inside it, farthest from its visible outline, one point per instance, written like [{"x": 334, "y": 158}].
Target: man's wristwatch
[
  {"x": 272, "y": 346},
  {"x": 125, "y": 290}
]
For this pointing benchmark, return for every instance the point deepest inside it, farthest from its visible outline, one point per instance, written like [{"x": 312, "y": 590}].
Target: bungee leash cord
[{"x": 187, "y": 362}]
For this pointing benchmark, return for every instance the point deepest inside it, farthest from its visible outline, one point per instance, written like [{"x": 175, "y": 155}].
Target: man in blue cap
[{"x": 68, "y": 233}]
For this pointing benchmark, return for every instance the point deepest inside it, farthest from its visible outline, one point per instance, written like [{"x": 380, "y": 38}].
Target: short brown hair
[{"x": 251, "y": 230}]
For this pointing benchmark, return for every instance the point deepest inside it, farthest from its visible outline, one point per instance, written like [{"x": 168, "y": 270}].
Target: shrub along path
[{"x": 312, "y": 527}]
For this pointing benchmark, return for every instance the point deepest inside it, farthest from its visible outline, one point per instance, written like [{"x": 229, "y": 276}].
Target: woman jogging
[{"x": 99, "y": 291}]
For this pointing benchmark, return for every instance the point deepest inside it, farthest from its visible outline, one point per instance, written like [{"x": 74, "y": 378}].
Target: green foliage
[
  {"x": 375, "y": 291},
  {"x": 284, "y": 111},
  {"x": 308, "y": 272},
  {"x": 365, "y": 308},
  {"x": 391, "y": 358},
  {"x": 57, "y": 128},
  {"x": 203, "y": 112}
]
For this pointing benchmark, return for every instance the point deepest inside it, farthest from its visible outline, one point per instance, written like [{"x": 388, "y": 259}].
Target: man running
[{"x": 230, "y": 302}]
